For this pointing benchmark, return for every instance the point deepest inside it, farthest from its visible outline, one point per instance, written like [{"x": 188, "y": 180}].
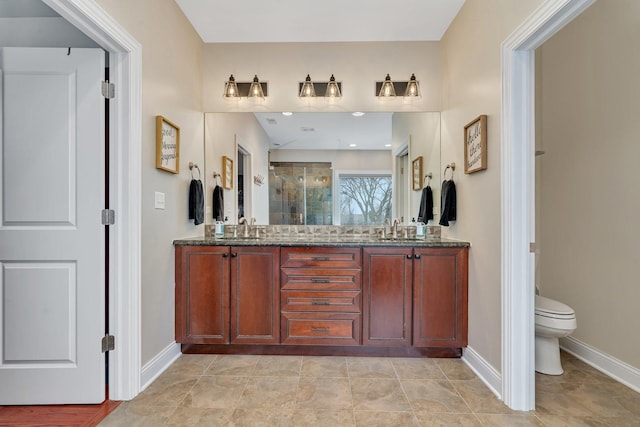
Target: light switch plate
[{"x": 159, "y": 200}]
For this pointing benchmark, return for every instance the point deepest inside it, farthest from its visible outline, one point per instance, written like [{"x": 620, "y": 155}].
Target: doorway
[
  {"x": 125, "y": 134},
  {"x": 518, "y": 196},
  {"x": 401, "y": 184},
  {"x": 243, "y": 179}
]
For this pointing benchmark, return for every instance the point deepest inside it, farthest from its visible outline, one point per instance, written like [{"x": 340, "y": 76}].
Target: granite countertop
[{"x": 326, "y": 241}]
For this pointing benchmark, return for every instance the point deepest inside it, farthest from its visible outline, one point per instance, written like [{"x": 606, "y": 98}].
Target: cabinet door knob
[
  {"x": 409, "y": 257},
  {"x": 234, "y": 254},
  {"x": 224, "y": 255},
  {"x": 417, "y": 256}
]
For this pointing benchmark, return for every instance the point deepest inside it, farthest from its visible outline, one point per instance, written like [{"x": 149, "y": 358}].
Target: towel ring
[
  {"x": 216, "y": 175},
  {"x": 191, "y": 167},
  {"x": 451, "y": 166}
]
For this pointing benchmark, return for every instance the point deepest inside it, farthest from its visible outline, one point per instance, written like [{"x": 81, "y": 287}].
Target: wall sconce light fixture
[
  {"x": 307, "y": 90},
  {"x": 310, "y": 89},
  {"x": 388, "y": 88},
  {"x": 254, "y": 89}
]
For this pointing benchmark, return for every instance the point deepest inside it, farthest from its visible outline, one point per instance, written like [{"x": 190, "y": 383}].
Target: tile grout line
[
  {"x": 458, "y": 393},
  {"x": 413, "y": 411}
]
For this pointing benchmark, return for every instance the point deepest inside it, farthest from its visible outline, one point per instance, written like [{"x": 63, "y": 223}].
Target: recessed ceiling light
[
  {"x": 387, "y": 145},
  {"x": 353, "y": 145},
  {"x": 287, "y": 113},
  {"x": 358, "y": 113}
]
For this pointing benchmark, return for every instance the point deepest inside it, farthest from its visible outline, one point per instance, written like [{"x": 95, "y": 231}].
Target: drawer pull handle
[
  {"x": 320, "y": 281},
  {"x": 320, "y": 258},
  {"x": 320, "y": 303},
  {"x": 323, "y": 330}
]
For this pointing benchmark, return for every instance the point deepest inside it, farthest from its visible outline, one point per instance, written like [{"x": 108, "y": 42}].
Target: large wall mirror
[{"x": 323, "y": 167}]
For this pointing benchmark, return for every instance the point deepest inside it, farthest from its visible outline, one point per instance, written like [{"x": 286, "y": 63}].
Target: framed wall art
[
  {"x": 416, "y": 173},
  {"x": 167, "y": 145},
  {"x": 227, "y": 173},
  {"x": 475, "y": 145}
]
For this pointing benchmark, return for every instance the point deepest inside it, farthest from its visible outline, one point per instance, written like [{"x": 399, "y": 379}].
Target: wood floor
[{"x": 56, "y": 415}]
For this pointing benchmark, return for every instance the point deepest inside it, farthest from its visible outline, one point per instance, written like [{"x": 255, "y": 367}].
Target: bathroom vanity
[{"x": 322, "y": 296}]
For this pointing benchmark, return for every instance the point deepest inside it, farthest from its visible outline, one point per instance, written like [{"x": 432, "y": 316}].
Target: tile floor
[{"x": 234, "y": 390}]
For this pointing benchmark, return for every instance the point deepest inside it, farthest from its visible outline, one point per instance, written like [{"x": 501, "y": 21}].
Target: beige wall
[
  {"x": 589, "y": 191},
  {"x": 222, "y": 131},
  {"x": 356, "y": 65},
  {"x": 471, "y": 86},
  {"x": 172, "y": 64},
  {"x": 340, "y": 159},
  {"x": 423, "y": 130}
]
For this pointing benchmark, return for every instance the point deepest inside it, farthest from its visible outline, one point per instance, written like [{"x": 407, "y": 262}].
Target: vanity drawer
[
  {"x": 321, "y": 257},
  {"x": 320, "y": 328},
  {"x": 320, "y": 279},
  {"x": 342, "y": 301}
]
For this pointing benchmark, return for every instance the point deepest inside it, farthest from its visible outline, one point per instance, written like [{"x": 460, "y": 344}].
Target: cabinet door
[
  {"x": 387, "y": 292},
  {"x": 255, "y": 295},
  {"x": 202, "y": 294},
  {"x": 440, "y": 297}
]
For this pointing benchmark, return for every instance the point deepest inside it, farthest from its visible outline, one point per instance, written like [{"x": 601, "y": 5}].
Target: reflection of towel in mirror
[
  {"x": 448, "y": 202},
  {"x": 196, "y": 202},
  {"x": 218, "y": 203},
  {"x": 426, "y": 205}
]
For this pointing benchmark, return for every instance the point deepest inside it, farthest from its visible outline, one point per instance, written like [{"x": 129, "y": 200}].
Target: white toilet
[{"x": 553, "y": 320}]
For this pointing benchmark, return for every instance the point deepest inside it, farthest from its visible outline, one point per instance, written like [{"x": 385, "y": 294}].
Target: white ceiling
[
  {"x": 252, "y": 21},
  {"x": 327, "y": 131}
]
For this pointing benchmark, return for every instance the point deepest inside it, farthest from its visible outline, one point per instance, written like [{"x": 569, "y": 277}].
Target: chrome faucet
[
  {"x": 393, "y": 227},
  {"x": 394, "y": 231},
  {"x": 247, "y": 225}
]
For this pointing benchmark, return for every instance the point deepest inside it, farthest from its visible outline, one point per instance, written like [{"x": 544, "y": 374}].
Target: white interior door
[{"x": 52, "y": 253}]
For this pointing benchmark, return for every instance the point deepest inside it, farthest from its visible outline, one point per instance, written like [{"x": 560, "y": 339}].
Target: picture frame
[
  {"x": 167, "y": 145},
  {"x": 227, "y": 172},
  {"x": 416, "y": 173},
  {"x": 475, "y": 145}
]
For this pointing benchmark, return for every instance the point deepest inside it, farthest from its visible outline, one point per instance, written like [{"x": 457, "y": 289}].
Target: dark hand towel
[
  {"x": 448, "y": 201},
  {"x": 426, "y": 205},
  {"x": 218, "y": 203},
  {"x": 196, "y": 202}
]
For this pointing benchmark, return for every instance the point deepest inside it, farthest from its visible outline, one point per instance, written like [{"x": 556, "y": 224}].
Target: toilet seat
[{"x": 547, "y": 307}]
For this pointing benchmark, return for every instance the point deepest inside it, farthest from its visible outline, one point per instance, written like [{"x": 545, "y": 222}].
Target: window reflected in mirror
[{"x": 365, "y": 199}]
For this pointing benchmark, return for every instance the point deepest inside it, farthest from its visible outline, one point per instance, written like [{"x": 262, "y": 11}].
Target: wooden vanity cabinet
[
  {"x": 440, "y": 299},
  {"x": 255, "y": 302},
  {"x": 372, "y": 300},
  {"x": 387, "y": 291},
  {"x": 227, "y": 295},
  {"x": 320, "y": 296},
  {"x": 202, "y": 294}
]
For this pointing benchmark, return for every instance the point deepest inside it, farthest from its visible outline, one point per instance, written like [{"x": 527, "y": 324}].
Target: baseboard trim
[
  {"x": 607, "y": 364},
  {"x": 483, "y": 370},
  {"x": 156, "y": 366}
]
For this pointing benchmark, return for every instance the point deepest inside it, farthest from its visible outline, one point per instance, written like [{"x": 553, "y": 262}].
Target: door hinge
[
  {"x": 108, "y": 89},
  {"x": 108, "y": 217},
  {"x": 532, "y": 247},
  {"x": 108, "y": 343}
]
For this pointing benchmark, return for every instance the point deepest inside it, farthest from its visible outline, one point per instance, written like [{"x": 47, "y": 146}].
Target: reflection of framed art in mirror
[
  {"x": 416, "y": 173},
  {"x": 227, "y": 173}
]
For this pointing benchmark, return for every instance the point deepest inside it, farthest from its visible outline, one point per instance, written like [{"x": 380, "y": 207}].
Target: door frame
[
  {"x": 518, "y": 195},
  {"x": 402, "y": 186},
  {"x": 125, "y": 133}
]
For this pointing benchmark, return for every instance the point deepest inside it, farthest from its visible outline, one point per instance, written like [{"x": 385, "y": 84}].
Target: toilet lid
[{"x": 547, "y": 305}]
